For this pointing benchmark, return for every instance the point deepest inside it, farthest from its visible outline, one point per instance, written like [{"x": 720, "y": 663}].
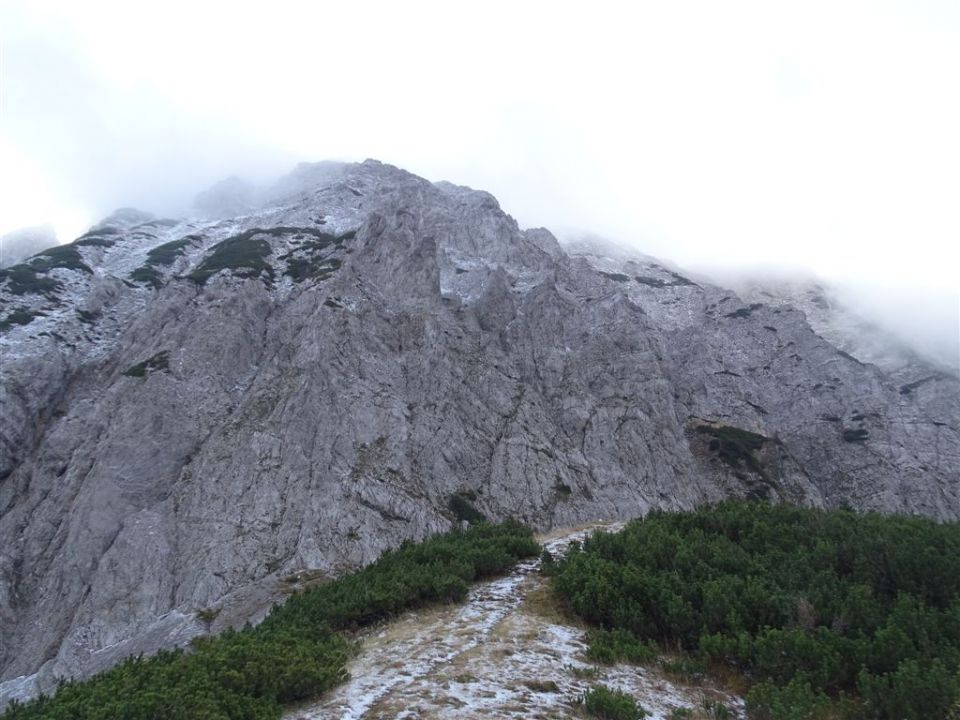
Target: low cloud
[{"x": 726, "y": 135}]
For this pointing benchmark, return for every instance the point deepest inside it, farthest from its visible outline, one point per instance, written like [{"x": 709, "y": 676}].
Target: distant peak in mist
[
  {"x": 893, "y": 327},
  {"x": 18, "y": 245}
]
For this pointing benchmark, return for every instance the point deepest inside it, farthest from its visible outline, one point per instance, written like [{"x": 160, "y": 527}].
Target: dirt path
[{"x": 500, "y": 654}]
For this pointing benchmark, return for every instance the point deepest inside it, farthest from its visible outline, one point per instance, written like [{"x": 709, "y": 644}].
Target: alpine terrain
[{"x": 198, "y": 413}]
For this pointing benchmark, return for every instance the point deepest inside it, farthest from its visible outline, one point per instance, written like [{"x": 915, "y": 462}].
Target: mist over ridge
[
  {"x": 286, "y": 286},
  {"x": 746, "y": 134}
]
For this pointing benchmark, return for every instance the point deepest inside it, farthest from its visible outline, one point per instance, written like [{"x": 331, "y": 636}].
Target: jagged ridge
[{"x": 309, "y": 406}]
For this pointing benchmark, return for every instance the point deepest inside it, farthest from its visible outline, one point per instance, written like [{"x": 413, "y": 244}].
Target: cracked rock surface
[{"x": 197, "y": 412}]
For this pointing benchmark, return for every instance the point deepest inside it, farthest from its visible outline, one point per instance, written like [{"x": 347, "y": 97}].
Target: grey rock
[
  {"x": 173, "y": 463},
  {"x": 831, "y": 318}
]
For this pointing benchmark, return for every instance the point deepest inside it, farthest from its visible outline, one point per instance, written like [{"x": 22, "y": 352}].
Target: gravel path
[{"x": 495, "y": 655}]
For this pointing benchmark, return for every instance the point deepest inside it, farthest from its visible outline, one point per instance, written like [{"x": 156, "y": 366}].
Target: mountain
[
  {"x": 834, "y": 320},
  {"x": 18, "y": 245},
  {"x": 195, "y": 410}
]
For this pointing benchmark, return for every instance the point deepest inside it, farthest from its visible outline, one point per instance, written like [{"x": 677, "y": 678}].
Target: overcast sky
[{"x": 824, "y": 135}]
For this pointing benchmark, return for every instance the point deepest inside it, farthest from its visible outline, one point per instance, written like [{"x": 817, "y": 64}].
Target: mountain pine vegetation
[
  {"x": 822, "y": 614},
  {"x": 298, "y": 651},
  {"x": 606, "y": 704}
]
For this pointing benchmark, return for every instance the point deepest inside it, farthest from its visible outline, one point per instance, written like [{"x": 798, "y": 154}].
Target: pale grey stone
[{"x": 311, "y": 425}]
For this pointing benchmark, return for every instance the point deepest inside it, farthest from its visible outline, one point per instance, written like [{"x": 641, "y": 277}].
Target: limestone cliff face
[{"x": 196, "y": 410}]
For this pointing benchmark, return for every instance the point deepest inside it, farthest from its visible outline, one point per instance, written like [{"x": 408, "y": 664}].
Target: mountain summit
[{"x": 196, "y": 411}]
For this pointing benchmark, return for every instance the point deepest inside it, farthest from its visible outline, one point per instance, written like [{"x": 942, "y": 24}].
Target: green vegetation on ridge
[
  {"x": 61, "y": 256},
  {"x": 308, "y": 261},
  {"x": 824, "y": 614},
  {"x": 160, "y": 361},
  {"x": 243, "y": 254},
  {"x": 296, "y": 653},
  {"x": 735, "y": 446},
  {"x": 166, "y": 253},
  {"x": 606, "y": 704},
  {"x": 25, "y": 278},
  {"x": 148, "y": 276},
  {"x": 19, "y": 316},
  {"x": 462, "y": 507}
]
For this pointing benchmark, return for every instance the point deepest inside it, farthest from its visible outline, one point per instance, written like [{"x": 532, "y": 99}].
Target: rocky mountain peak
[{"x": 196, "y": 409}]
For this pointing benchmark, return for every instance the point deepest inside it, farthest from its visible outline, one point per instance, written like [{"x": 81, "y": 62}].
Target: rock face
[
  {"x": 842, "y": 326},
  {"x": 194, "y": 411}
]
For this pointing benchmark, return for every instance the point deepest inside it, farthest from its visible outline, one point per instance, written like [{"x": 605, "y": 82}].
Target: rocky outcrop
[
  {"x": 842, "y": 326},
  {"x": 196, "y": 411}
]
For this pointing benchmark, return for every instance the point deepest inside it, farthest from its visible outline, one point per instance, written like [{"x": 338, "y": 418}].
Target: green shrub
[
  {"x": 160, "y": 361},
  {"x": 816, "y": 608},
  {"x": 460, "y": 503},
  {"x": 295, "y": 652},
  {"x": 24, "y": 280},
  {"x": 61, "y": 256},
  {"x": 602, "y": 702},
  {"x": 735, "y": 446},
  {"x": 148, "y": 276},
  {"x": 242, "y": 254},
  {"x": 87, "y": 316},
  {"x": 166, "y": 253},
  {"x": 855, "y": 435},
  {"x": 100, "y": 231},
  {"x": 19, "y": 316},
  {"x": 915, "y": 690},
  {"x": 715, "y": 710},
  {"x": 744, "y": 311},
  {"x": 613, "y": 646},
  {"x": 91, "y": 240},
  {"x": 414, "y": 574},
  {"x": 678, "y": 280},
  {"x": 308, "y": 261},
  {"x": 616, "y": 277},
  {"x": 689, "y": 669},
  {"x": 300, "y": 269},
  {"x": 208, "y": 615},
  {"x": 794, "y": 701}
]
